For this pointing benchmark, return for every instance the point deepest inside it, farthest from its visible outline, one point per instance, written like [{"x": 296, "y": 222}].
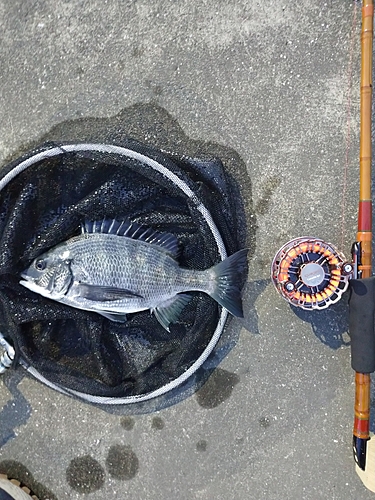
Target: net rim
[{"x": 185, "y": 188}]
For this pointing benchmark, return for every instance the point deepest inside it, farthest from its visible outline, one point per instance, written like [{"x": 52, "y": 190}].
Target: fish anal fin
[
  {"x": 118, "y": 318},
  {"x": 168, "y": 312}
]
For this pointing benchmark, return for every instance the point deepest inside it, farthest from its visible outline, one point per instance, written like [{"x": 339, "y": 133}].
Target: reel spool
[{"x": 310, "y": 273}]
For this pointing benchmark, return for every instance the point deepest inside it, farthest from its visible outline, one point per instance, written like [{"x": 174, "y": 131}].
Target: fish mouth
[
  {"x": 29, "y": 283},
  {"x": 27, "y": 279},
  {"x": 25, "y": 282}
]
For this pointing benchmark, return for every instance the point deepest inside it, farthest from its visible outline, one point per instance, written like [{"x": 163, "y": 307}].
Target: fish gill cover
[{"x": 47, "y": 202}]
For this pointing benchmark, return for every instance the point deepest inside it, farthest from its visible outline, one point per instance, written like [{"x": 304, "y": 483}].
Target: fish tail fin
[{"x": 227, "y": 278}]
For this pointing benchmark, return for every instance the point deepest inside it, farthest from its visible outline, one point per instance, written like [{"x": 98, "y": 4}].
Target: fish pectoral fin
[
  {"x": 169, "y": 311},
  {"x": 118, "y": 318},
  {"x": 104, "y": 293}
]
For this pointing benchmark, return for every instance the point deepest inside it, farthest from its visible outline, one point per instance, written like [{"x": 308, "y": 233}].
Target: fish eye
[{"x": 40, "y": 265}]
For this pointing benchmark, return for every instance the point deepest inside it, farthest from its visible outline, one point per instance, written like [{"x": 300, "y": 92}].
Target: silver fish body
[{"x": 115, "y": 269}]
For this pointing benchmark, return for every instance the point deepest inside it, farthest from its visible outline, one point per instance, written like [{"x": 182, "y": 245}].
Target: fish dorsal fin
[{"x": 135, "y": 231}]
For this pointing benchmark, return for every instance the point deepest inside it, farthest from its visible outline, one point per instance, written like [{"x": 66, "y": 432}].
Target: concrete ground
[{"x": 273, "y": 88}]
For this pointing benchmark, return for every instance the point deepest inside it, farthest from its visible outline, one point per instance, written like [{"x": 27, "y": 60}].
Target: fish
[{"x": 115, "y": 268}]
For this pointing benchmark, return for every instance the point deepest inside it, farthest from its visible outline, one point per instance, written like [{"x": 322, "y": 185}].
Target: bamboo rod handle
[{"x": 361, "y": 405}]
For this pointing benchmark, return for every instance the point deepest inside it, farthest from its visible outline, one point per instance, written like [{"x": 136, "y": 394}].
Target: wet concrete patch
[
  {"x": 85, "y": 474},
  {"x": 269, "y": 187},
  {"x": 217, "y": 389},
  {"x": 122, "y": 463},
  {"x": 264, "y": 422},
  {"x": 153, "y": 125},
  {"x": 202, "y": 445},
  {"x": 157, "y": 423},
  {"x": 127, "y": 423}
]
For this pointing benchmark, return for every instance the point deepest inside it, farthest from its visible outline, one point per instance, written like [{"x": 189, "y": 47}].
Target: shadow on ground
[{"x": 329, "y": 325}]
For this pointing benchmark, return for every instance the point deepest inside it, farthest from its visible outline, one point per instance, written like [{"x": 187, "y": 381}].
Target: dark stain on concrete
[
  {"x": 269, "y": 188},
  {"x": 127, "y": 423},
  {"x": 264, "y": 422},
  {"x": 157, "y": 423},
  {"x": 217, "y": 389},
  {"x": 85, "y": 474},
  {"x": 202, "y": 445},
  {"x": 122, "y": 463},
  {"x": 138, "y": 51}
]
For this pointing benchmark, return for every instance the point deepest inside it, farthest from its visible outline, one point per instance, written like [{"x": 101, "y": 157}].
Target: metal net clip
[{"x": 8, "y": 354}]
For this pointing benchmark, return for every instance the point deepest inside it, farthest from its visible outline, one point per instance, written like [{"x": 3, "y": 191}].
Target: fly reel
[{"x": 310, "y": 273}]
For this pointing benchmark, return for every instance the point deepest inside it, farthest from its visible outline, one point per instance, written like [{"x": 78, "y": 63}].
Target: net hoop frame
[{"x": 189, "y": 193}]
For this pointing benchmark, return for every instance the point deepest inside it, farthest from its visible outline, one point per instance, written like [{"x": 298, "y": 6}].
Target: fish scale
[{"x": 126, "y": 263}]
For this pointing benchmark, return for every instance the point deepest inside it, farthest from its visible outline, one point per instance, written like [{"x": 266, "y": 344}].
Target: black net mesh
[{"x": 46, "y": 203}]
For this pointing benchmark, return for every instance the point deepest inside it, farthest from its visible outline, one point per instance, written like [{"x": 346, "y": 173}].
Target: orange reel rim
[{"x": 310, "y": 273}]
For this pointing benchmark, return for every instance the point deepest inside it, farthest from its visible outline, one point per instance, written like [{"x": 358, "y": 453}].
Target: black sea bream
[{"x": 115, "y": 268}]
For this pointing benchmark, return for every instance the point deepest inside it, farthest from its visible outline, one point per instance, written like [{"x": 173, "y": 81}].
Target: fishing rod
[
  {"x": 363, "y": 249},
  {"x": 312, "y": 274}
]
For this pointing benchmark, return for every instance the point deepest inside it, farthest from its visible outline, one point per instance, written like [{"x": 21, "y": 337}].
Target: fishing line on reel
[{"x": 310, "y": 273}]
